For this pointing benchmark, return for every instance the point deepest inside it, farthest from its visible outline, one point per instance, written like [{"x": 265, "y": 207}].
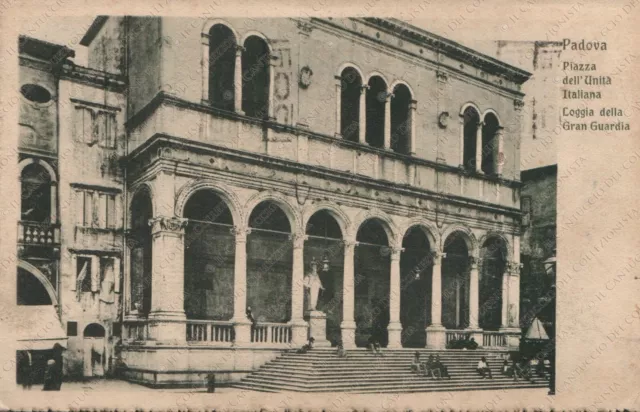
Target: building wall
[
  {"x": 107, "y": 51},
  {"x": 38, "y": 120}
]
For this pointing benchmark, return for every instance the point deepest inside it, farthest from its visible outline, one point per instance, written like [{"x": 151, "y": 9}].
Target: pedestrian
[
  {"x": 443, "y": 370},
  {"x": 431, "y": 369},
  {"x": 415, "y": 364},
  {"x": 483, "y": 368},
  {"x": 340, "y": 351},
  {"x": 51, "y": 377},
  {"x": 25, "y": 369}
]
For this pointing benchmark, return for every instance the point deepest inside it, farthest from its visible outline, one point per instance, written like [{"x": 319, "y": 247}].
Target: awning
[
  {"x": 536, "y": 331},
  {"x": 39, "y": 328}
]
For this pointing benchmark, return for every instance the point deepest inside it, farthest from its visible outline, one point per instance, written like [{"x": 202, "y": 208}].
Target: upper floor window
[
  {"x": 95, "y": 126},
  {"x": 256, "y": 61},
  {"x": 471, "y": 123},
  {"x": 490, "y": 128},
  {"x": 97, "y": 208},
  {"x": 222, "y": 66},
  {"x": 401, "y": 119},
  {"x": 376, "y": 101},
  {"x": 351, "y": 88},
  {"x": 35, "y": 93},
  {"x": 36, "y": 193}
]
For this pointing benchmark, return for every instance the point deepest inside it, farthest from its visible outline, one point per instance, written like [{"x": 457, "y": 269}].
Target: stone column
[
  {"x": 298, "y": 325},
  {"x": 167, "y": 317},
  {"x": 348, "y": 325},
  {"x": 499, "y": 157},
  {"x": 205, "y": 67},
  {"x": 338, "y": 131},
  {"x": 436, "y": 332},
  {"x": 479, "y": 148},
  {"x": 363, "y": 114},
  {"x": 511, "y": 304},
  {"x": 413, "y": 106},
  {"x": 272, "y": 86},
  {"x": 387, "y": 121},
  {"x": 237, "y": 81},
  {"x": 242, "y": 325},
  {"x": 461, "y": 122},
  {"x": 474, "y": 299},
  {"x": 395, "y": 327},
  {"x": 54, "y": 202}
]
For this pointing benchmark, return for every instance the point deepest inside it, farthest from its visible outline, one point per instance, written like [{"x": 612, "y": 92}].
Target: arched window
[
  {"x": 455, "y": 283},
  {"x": 401, "y": 119},
  {"x": 222, "y": 63},
  {"x": 493, "y": 257},
  {"x": 255, "y": 77},
  {"x": 489, "y": 143},
  {"x": 94, "y": 330},
  {"x": 36, "y": 194},
  {"x": 139, "y": 242},
  {"x": 31, "y": 291},
  {"x": 471, "y": 120},
  {"x": 376, "y": 100},
  {"x": 209, "y": 254},
  {"x": 351, "y": 83}
]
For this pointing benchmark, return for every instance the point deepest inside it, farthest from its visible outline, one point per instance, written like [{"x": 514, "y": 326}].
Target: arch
[
  {"x": 221, "y": 67},
  {"x": 94, "y": 330},
  {"x": 507, "y": 243},
  {"x": 467, "y": 105},
  {"x": 427, "y": 228},
  {"x": 135, "y": 190},
  {"x": 490, "y": 111},
  {"x": 399, "y": 82},
  {"x": 470, "y": 122},
  {"x": 334, "y": 210},
  {"x": 466, "y": 234},
  {"x": 401, "y": 117},
  {"x": 26, "y": 162},
  {"x": 351, "y": 82},
  {"x": 292, "y": 212},
  {"x": 257, "y": 82},
  {"x": 376, "y": 73},
  {"x": 257, "y": 34},
  {"x": 38, "y": 197},
  {"x": 347, "y": 65},
  {"x": 24, "y": 265},
  {"x": 376, "y": 105},
  {"x": 226, "y": 193},
  {"x": 494, "y": 258},
  {"x": 490, "y": 129},
  {"x": 388, "y": 225},
  {"x": 209, "y": 23}
]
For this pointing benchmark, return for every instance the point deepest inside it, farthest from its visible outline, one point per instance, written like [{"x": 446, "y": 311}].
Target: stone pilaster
[
  {"x": 362, "y": 138},
  {"x": 499, "y": 157},
  {"x": 395, "y": 327},
  {"x": 473, "y": 293},
  {"x": 387, "y": 121},
  {"x": 237, "y": 81},
  {"x": 167, "y": 316},
  {"x": 436, "y": 332},
  {"x": 413, "y": 106},
  {"x": 479, "y": 147},
  {"x": 348, "y": 325},
  {"x": 242, "y": 325},
  {"x": 338, "y": 130},
  {"x": 511, "y": 304}
]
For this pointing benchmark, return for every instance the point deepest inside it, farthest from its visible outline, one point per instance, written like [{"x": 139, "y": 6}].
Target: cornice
[
  {"x": 92, "y": 77},
  {"x": 162, "y": 98},
  {"x": 163, "y": 140}
]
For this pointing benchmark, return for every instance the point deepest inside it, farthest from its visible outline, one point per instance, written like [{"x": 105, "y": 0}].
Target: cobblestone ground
[{"x": 122, "y": 395}]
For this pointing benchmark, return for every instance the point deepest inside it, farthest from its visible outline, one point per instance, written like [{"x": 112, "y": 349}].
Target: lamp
[{"x": 325, "y": 262}]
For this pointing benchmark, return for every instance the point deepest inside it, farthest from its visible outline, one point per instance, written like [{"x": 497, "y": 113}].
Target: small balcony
[{"x": 38, "y": 234}]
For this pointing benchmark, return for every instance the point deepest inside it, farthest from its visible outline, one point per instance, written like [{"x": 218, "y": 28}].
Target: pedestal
[
  {"x": 512, "y": 336},
  {"x": 318, "y": 328},
  {"x": 476, "y": 334},
  {"x": 242, "y": 331},
  {"x": 348, "y": 334},
  {"x": 299, "y": 333},
  {"x": 394, "y": 331},
  {"x": 436, "y": 337}
]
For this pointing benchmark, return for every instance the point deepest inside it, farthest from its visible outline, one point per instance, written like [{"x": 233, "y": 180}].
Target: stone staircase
[{"x": 320, "y": 370}]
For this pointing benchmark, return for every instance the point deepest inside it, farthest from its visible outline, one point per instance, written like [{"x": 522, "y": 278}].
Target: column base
[
  {"x": 242, "y": 331},
  {"x": 318, "y": 328},
  {"x": 394, "y": 331},
  {"x": 512, "y": 336},
  {"x": 348, "y": 334},
  {"x": 299, "y": 332},
  {"x": 168, "y": 327},
  {"x": 436, "y": 337}
]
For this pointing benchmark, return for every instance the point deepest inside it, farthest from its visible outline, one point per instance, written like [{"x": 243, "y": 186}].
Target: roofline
[
  {"x": 93, "y": 30},
  {"x": 538, "y": 172},
  {"x": 36, "y": 47},
  {"x": 449, "y": 47}
]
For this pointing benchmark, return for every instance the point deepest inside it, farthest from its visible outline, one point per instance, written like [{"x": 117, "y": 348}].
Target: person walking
[{"x": 51, "y": 376}]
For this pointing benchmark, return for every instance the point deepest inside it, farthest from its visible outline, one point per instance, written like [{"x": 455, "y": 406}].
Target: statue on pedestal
[{"x": 313, "y": 284}]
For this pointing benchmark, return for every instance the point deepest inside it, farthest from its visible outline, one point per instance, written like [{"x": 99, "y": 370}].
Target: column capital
[
  {"x": 364, "y": 88},
  {"x": 437, "y": 257},
  {"x": 240, "y": 232},
  {"x": 170, "y": 224},
  {"x": 513, "y": 268},
  {"x": 480, "y": 125},
  {"x": 349, "y": 243},
  {"x": 388, "y": 97},
  {"x": 239, "y": 48},
  {"x": 473, "y": 262},
  {"x": 395, "y": 252},
  {"x": 298, "y": 239}
]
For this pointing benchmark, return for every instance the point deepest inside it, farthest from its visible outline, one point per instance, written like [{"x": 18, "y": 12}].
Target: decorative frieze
[{"x": 168, "y": 224}]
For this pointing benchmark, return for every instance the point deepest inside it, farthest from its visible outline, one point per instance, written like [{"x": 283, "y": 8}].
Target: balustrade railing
[
  {"x": 456, "y": 335},
  {"x": 39, "y": 234},
  {"x": 493, "y": 339},
  {"x": 271, "y": 333},
  {"x": 210, "y": 331},
  {"x": 136, "y": 330}
]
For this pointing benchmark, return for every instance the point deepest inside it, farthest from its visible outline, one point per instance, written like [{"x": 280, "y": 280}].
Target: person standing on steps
[{"x": 483, "y": 368}]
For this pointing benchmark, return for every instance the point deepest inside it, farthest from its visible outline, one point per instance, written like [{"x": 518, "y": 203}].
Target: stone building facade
[{"x": 246, "y": 149}]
